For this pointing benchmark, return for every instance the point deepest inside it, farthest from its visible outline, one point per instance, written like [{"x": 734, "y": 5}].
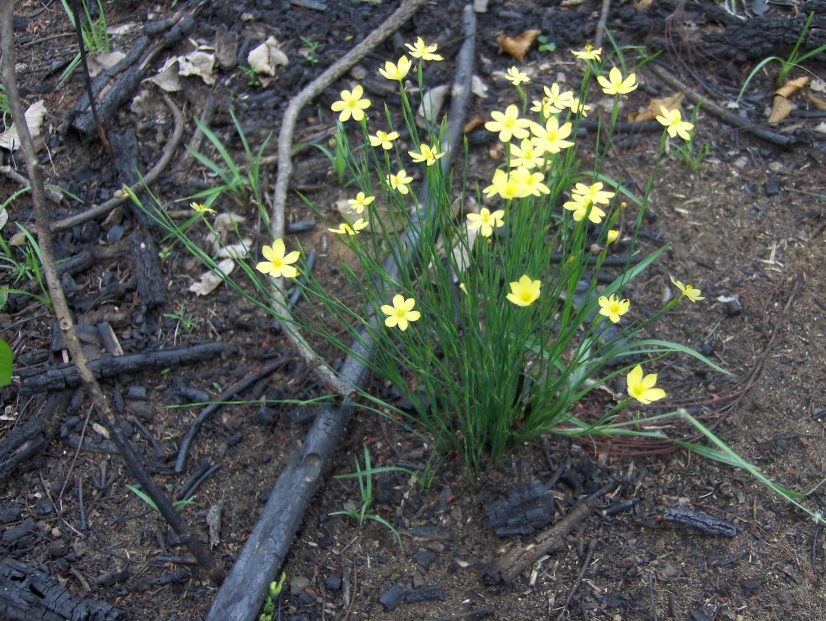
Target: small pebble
[{"x": 392, "y": 597}]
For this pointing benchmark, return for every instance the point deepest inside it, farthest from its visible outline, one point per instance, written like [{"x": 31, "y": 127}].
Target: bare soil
[{"x": 746, "y": 228}]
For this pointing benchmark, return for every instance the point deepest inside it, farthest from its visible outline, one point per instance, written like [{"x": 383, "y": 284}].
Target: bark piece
[{"x": 29, "y": 595}]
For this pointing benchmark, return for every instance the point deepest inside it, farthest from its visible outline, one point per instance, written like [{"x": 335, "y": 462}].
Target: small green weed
[
  {"x": 252, "y": 77},
  {"x": 788, "y": 64},
  {"x": 312, "y": 54},
  {"x": 545, "y": 44},
  {"x": 179, "y": 505},
  {"x": 365, "y": 479},
  {"x": 268, "y": 611},
  {"x": 185, "y": 321},
  {"x": 95, "y": 35},
  {"x": 26, "y": 268},
  {"x": 641, "y": 54},
  {"x": 6, "y": 359}
]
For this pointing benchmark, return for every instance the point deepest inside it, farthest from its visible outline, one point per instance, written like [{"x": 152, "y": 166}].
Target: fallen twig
[
  {"x": 61, "y": 308},
  {"x": 67, "y": 376},
  {"x": 732, "y": 119},
  {"x": 585, "y": 564},
  {"x": 209, "y": 410},
  {"x": 519, "y": 558},
  {"x": 150, "y": 178},
  {"x": 285, "y": 138}
]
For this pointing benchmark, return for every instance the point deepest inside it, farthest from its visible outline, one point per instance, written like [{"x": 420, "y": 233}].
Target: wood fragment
[
  {"x": 520, "y": 558},
  {"x": 33, "y": 381},
  {"x": 30, "y": 595}
]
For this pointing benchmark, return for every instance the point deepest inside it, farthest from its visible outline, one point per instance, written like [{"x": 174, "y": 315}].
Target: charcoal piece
[
  {"x": 425, "y": 594},
  {"x": 708, "y": 524},
  {"x": 526, "y": 509},
  {"x": 392, "y": 597},
  {"x": 18, "y": 535},
  {"x": 10, "y": 514},
  {"x": 27, "y": 594},
  {"x": 424, "y": 559},
  {"x": 333, "y": 582}
]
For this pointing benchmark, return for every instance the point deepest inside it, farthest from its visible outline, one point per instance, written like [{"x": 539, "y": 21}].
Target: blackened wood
[
  {"x": 29, "y": 439},
  {"x": 519, "y": 558},
  {"x": 525, "y": 509},
  {"x": 33, "y": 381},
  {"x": 703, "y": 522},
  {"x": 114, "y": 92},
  {"x": 30, "y": 595},
  {"x": 241, "y": 594},
  {"x": 147, "y": 270}
]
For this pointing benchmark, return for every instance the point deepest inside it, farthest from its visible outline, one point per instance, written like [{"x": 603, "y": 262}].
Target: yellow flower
[
  {"x": 517, "y": 77},
  {"x": 688, "y": 291},
  {"x": 589, "y": 53},
  {"x": 487, "y": 220},
  {"x": 358, "y": 225},
  {"x": 277, "y": 264},
  {"x": 615, "y": 85},
  {"x": 674, "y": 124},
  {"x": 361, "y": 201},
  {"x": 383, "y": 139},
  {"x": 613, "y": 307},
  {"x": 593, "y": 193},
  {"x": 351, "y": 104},
  {"x": 427, "y": 155},
  {"x": 504, "y": 185},
  {"x": 508, "y": 124},
  {"x": 524, "y": 292},
  {"x": 527, "y": 155},
  {"x": 579, "y": 108},
  {"x": 400, "y": 181},
  {"x": 642, "y": 388},
  {"x": 557, "y": 100},
  {"x": 201, "y": 208},
  {"x": 425, "y": 52},
  {"x": 612, "y": 236},
  {"x": 400, "y": 313},
  {"x": 580, "y": 205},
  {"x": 396, "y": 72},
  {"x": 530, "y": 183},
  {"x": 551, "y": 138}
]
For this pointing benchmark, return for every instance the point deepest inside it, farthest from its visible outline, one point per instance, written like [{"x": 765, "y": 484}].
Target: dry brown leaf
[
  {"x": 473, "y": 124},
  {"x": 642, "y": 4},
  {"x": 781, "y": 108},
  {"x": 518, "y": 46},
  {"x": 817, "y": 102},
  {"x": 653, "y": 110},
  {"x": 790, "y": 88}
]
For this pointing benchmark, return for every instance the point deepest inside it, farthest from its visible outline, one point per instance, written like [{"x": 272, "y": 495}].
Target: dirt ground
[{"x": 746, "y": 228}]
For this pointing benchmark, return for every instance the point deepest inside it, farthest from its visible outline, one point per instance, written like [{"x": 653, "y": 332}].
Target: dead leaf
[
  {"x": 239, "y": 251},
  {"x": 781, "y": 108},
  {"x": 101, "y": 61},
  {"x": 518, "y": 46},
  {"x": 820, "y": 128},
  {"x": 474, "y": 124},
  {"x": 642, "y": 5},
  {"x": 432, "y": 102},
  {"x": 818, "y": 86},
  {"x": 653, "y": 110},
  {"x": 816, "y": 102},
  {"x": 266, "y": 57},
  {"x": 210, "y": 280},
  {"x": 226, "y": 48},
  {"x": 167, "y": 77},
  {"x": 198, "y": 63},
  {"x": 478, "y": 86},
  {"x": 10, "y": 140},
  {"x": 790, "y": 88}
]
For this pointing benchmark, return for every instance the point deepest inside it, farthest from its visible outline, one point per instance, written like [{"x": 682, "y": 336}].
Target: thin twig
[
  {"x": 603, "y": 19},
  {"x": 74, "y": 6},
  {"x": 61, "y": 308},
  {"x": 285, "y": 138},
  {"x": 150, "y": 178},
  {"x": 709, "y": 106},
  {"x": 585, "y": 564}
]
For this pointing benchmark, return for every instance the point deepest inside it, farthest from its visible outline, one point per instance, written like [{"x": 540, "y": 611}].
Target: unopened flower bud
[
  {"x": 612, "y": 236},
  {"x": 595, "y": 248}
]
